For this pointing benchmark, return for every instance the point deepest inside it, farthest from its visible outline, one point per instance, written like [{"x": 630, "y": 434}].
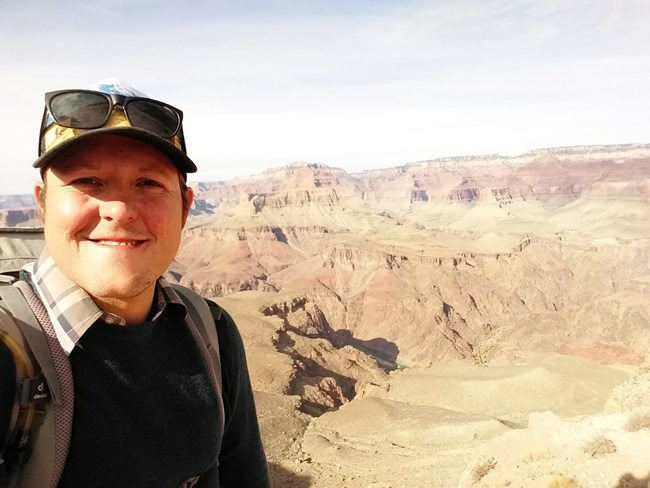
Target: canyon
[
  {"x": 432, "y": 322},
  {"x": 457, "y": 258}
]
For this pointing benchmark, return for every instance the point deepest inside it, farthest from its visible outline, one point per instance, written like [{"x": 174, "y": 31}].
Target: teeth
[{"x": 116, "y": 243}]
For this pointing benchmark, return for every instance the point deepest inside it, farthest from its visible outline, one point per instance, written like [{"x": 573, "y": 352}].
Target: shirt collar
[{"x": 71, "y": 310}]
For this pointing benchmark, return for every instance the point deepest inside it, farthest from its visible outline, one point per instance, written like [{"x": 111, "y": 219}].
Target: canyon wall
[{"x": 469, "y": 257}]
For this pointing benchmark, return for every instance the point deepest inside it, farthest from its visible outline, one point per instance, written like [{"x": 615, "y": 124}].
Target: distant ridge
[
  {"x": 572, "y": 153},
  {"x": 594, "y": 148},
  {"x": 581, "y": 153}
]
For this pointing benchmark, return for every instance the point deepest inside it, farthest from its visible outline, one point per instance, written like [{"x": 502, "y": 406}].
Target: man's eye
[
  {"x": 86, "y": 181},
  {"x": 148, "y": 182}
]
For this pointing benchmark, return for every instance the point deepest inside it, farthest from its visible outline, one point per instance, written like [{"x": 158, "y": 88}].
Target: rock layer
[{"x": 471, "y": 258}]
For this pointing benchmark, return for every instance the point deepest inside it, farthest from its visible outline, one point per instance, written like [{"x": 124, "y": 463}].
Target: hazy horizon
[{"x": 355, "y": 85}]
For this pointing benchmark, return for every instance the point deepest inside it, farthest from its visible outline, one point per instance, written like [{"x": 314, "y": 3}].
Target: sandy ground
[{"x": 540, "y": 423}]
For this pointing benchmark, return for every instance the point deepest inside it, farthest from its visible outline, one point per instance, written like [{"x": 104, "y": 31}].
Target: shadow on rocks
[
  {"x": 630, "y": 481},
  {"x": 384, "y": 351},
  {"x": 283, "y": 478}
]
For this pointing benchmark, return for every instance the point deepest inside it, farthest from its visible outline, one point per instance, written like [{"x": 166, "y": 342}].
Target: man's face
[{"x": 113, "y": 215}]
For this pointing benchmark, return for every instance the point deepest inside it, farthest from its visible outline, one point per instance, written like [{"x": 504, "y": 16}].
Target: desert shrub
[
  {"x": 563, "y": 482},
  {"x": 638, "y": 421},
  {"x": 532, "y": 457},
  {"x": 483, "y": 468},
  {"x": 630, "y": 481},
  {"x": 481, "y": 350},
  {"x": 599, "y": 447}
]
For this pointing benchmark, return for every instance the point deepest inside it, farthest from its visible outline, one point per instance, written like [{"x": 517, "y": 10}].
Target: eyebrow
[{"x": 66, "y": 166}]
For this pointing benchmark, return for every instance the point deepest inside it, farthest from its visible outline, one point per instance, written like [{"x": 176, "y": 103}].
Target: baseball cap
[{"x": 111, "y": 107}]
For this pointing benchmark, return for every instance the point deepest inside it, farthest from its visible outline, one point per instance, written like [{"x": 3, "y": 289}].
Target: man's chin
[{"x": 120, "y": 289}]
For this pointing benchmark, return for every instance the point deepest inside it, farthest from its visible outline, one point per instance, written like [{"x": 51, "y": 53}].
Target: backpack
[
  {"x": 41, "y": 418},
  {"x": 18, "y": 247}
]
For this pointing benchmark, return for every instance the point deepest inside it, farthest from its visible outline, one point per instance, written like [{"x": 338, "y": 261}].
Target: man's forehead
[{"x": 67, "y": 165}]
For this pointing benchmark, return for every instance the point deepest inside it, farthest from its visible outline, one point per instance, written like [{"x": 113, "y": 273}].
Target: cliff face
[
  {"x": 540, "y": 174},
  {"x": 470, "y": 258},
  {"x": 326, "y": 373},
  {"x": 299, "y": 198},
  {"x": 15, "y": 217},
  {"x": 299, "y": 183}
]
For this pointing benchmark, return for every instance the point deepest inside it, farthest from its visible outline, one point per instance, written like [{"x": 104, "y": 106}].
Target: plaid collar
[{"x": 71, "y": 310}]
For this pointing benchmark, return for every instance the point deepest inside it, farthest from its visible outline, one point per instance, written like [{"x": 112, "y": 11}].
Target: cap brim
[{"x": 175, "y": 155}]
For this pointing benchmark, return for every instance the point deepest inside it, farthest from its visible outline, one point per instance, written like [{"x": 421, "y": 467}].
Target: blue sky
[{"x": 352, "y": 84}]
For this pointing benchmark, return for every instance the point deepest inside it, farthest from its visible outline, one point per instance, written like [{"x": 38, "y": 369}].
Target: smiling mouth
[{"x": 116, "y": 243}]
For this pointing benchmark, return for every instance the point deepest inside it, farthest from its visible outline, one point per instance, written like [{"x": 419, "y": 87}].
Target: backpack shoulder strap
[
  {"x": 15, "y": 446},
  {"x": 24, "y": 318},
  {"x": 205, "y": 322},
  {"x": 34, "y": 419},
  {"x": 51, "y": 439}
]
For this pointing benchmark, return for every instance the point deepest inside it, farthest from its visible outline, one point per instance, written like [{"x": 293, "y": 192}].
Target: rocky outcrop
[
  {"x": 351, "y": 257},
  {"x": 236, "y": 234},
  {"x": 294, "y": 198},
  {"x": 263, "y": 232},
  {"x": 303, "y": 317},
  {"x": 501, "y": 194},
  {"x": 23, "y": 217},
  {"x": 210, "y": 288},
  {"x": 632, "y": 394},
  {"x": 293, "y": 180},
  {"x": 202, "y": 206},
  {"x": 327, "y": 373},
  {"x": 454, "y": 327},
  {"x": 419, "y": 196},
  {"x": 463, "y": 195}
]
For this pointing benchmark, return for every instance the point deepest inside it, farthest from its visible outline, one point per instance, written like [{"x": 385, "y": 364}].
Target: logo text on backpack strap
[{"x": 34, "y": 390}]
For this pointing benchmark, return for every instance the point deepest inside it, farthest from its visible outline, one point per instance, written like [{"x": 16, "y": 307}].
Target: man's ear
[
  {"x": 39, "y": 198},
  {"x": 189, "y": 194}
]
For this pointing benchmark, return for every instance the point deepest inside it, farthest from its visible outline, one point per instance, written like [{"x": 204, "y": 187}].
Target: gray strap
[
  {"x": 24, "y": 363},
  {"x": 52, "y": 440},
  {"x": 41, "y": 469},
  {"x": 24, "y": 317},
  {"x": 38, "y": 473},
  {"x": 202, "y": 317}
]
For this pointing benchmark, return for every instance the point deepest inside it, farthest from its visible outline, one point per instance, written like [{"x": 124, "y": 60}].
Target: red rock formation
[{"x": 440, "y": 259}]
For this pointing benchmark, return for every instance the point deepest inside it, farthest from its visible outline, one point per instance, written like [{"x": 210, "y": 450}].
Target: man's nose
[{"x": 119, "y": 209}]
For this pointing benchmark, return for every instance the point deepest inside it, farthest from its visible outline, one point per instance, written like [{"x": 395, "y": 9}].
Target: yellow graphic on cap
[{"x": 56, "y": 134}]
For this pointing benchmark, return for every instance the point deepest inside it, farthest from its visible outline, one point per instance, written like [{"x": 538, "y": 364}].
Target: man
[{"x": 114, "y": 200}]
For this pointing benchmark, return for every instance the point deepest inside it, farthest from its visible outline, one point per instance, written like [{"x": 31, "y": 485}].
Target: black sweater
[{"x": 145, "y": 411}]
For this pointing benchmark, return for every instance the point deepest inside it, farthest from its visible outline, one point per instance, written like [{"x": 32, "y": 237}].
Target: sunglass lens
[
  {"x": 80, "y": 110},
  {"x": 154, "y": 117}
]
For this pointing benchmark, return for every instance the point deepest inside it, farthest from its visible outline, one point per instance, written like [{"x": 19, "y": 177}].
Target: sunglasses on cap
[{"x": 87, "y": 109}]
